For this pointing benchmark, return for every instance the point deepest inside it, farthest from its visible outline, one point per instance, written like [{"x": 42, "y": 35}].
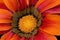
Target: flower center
[{"x": 27, "y": 23}]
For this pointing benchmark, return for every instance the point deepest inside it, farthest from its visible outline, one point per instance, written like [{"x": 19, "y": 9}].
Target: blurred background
[{"x": 58, "y": 37}]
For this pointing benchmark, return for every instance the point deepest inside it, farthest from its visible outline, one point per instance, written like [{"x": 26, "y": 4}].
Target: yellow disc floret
[{"x": 27, "y": 23}]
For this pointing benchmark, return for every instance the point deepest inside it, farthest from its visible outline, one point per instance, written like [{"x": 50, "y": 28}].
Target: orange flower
[{"x": 29, "y": 19}]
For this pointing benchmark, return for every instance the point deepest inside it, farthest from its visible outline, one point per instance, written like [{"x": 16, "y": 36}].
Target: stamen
[{"x": 27, "y": 23}]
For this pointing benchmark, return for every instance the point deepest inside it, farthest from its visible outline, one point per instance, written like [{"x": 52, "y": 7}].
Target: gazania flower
[{"x": 30, "y": 19}]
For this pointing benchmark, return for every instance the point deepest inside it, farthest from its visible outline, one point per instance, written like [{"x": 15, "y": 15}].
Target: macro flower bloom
[{"x": 29, "y": 19}]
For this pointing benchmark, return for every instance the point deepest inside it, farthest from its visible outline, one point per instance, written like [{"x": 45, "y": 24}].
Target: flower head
[{"x": 29, "y": 19}]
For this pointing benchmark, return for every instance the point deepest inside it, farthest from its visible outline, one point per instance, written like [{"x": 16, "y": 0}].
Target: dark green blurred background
[{"x": 58, "y": 37}]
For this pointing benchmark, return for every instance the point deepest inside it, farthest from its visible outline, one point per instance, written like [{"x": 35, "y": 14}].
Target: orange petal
[
  {"x": 52, "y": 19},
  {"x": 5, "y": 21},
  {"x": 11, "y": 4},
  {"x": 44, "y": 36},
  {"x": 5, "y": 27},
  {"x": 51, "y": 28},
  {"x": 1, "y": 1},
  {"x": 51, "y": 24},
  {"x": 5, "y": 14},
  {"x": 48, "y": 4},
  {"x": 7, "y": 36}
]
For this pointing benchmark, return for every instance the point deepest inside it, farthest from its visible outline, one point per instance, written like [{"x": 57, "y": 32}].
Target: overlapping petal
[
  {"x": 2, "y": 5},
  {"x": 51, "y": 24},
  {"x": 5, "y": 13},
  {"x": 5, "y": 21},
  {"x": 7, "y": 36},
  {"x": 55, "y": 10},
  {"x": 11, "y": 36},
  {"x": 5, "y": 16},
  {"x": 32, "y": 2},
  {"x": 52, "y": 19},
  {"x": 2, "y": 32},
  {"x": 53, "y": 29},
  {"x": 38, "y": 3},
  {"x": 48, "y": 4},
  {"x": 23, "y": 4},
  {"x": 44, "y": 36},
  {"x": 11, "y": 4},
  {"x": 16, "y": 37},
  {"x": 1, "y": 1},
  {"x": 5, "y": 27}
]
